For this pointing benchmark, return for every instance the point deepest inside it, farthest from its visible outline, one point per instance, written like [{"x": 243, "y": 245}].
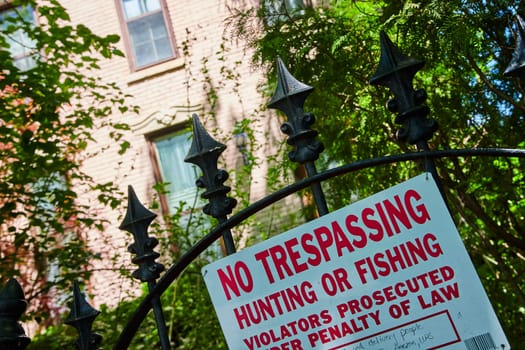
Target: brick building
[{"x": 181, "y": 58}]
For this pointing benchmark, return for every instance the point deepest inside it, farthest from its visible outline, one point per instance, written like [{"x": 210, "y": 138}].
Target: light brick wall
[{"x": 156, "y": 90}]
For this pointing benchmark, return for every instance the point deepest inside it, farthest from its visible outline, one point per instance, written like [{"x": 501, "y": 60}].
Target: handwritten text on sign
[{"x": 355, "y": 276}]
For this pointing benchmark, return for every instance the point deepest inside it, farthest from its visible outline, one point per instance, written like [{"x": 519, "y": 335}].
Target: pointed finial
[
  {"x": 203, "y": 147},
  {"x": 290, "y": 93},
  {"x": 137, "y": 220},
  {"x": 81, "y": 317},
  {"x": 516, "y": 66},
  {"x": 392, "y": 60},
  {"x": 289, "y": 97},
  {"x": 204, "y": 152},
  {"x": 136, "y": 213},
  {"x": 12, "y": 306},
  {"x": 396, "y": 71}
]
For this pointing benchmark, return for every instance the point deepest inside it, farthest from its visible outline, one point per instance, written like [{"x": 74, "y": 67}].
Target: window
[
  {"x": 21, "y": 47},
  {"x": 277, "y": 11},
  {"x": 170, "y": 151},
  {"x": 147, "y": 31}
]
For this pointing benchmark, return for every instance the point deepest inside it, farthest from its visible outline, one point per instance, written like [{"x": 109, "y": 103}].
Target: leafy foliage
[
  {"x": 188, "y": 311},
  {"x": 467, "y": 45},
  {"x": 49, "y": 110}
]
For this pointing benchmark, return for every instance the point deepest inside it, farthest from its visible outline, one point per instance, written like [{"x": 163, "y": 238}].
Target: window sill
[{"x": 155, "y": 70}]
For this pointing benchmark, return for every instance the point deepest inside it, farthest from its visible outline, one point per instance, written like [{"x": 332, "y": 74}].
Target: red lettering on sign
[
  {"x": 295, "y": 255},
  {"x": 398, "y": 258},
  {"x": 421, "y": 216},
  {"x": 401, "y": 289},
  {"x": 232, "y": 280},
  {"x": 275, "y": 304},
  {"x": 356, "y": 230},
  {"x": 311, "y": 249},
  {"x": 325, "y": 239},
  {"x": 384, "y": 219}
]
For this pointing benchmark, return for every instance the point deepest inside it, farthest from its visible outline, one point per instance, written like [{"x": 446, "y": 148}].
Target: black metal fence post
[
  {"x": 396, "y": 71},
  {"x": 81, "y": 317},
  {"x": 204, "y": 152},
  {"x": 289, "y": 97},
  {"x": 137, "y": 221},
  {"x": 12, "y": 305}
]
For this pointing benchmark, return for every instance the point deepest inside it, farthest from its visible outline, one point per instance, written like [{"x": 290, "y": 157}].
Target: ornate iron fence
[{"x": 396, "y": 71}]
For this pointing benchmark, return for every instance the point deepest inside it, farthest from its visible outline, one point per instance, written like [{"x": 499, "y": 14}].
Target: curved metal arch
[{"x": 176, "y": 269}]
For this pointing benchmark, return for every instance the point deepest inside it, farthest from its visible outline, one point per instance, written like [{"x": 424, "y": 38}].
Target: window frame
[
  {"x": 126, "y": 37},
  {"x": 151, "y": 139}
]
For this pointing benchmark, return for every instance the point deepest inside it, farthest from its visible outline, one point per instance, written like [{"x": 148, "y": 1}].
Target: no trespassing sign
[{"x": 387, "y": 272}]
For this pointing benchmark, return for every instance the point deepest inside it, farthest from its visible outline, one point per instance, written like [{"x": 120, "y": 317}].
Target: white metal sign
[{"x": 387, "y": 272}]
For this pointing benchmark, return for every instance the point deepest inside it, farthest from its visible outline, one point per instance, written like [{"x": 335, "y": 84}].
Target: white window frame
[{"x": 127, "y": 36}]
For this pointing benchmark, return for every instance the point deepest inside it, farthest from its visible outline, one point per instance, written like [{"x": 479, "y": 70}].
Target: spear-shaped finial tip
[
  {"x": 288, "y": 88},
  {"x": 81, "y": 317},
  {"x": 80, "y": 308},
  {"x": 12, "y": 290},
  {"x": 202, "y": 144},
  {"x": 393, "y": 60},
  {"x": 136, "y": 211}
]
